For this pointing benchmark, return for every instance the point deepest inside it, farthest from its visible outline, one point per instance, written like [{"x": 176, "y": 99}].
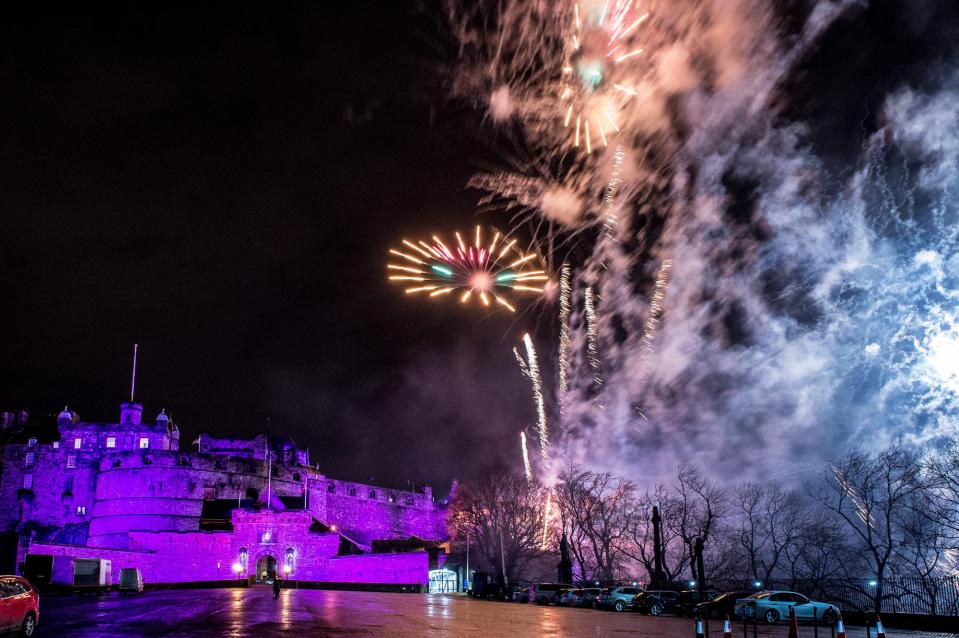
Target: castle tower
[{"x": 131, "y": 413}]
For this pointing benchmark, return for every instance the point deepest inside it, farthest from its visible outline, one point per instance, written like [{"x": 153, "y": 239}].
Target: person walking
[{"x": 276, "y": 587}]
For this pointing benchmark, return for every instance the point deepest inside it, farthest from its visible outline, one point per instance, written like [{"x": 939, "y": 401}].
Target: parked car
[
  {"x": 489, "y": 586},
  {"x": 546, "y": 593},
  {"x": 570, "y": 598},
  {"x": 131, "y": 579},
  {"x": 519, "y": 593},
  {"x": 617, "y": 598},
  {"x": 655, "y": 602},
  {"x": 19, "y": 606},
  {"x": 722, "y": 605},
  {"x": 590, "y": 596},
  {"x": 688, "y": 600},
  {"x": 773, "y": 606}
]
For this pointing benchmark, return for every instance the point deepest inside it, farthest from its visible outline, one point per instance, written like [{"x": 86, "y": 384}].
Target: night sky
[{"x": 221, "y": 185}]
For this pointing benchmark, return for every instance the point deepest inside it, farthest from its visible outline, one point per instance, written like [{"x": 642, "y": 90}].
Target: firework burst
[
  {"x": 593, "y": 89},
  {"x": 477, "y": 272}
]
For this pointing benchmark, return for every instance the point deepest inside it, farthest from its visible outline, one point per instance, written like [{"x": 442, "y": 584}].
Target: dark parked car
[
  {"x": 687, "y": 601},
  {"x": 590, "y": 596},
  {"x": 519, "y": 592},
  {"x": 489, "y": 586},
  {"x": 722, "y": 605},
  {"x": 656, "y": 602},
  {"x": 19, "y": 606},
  {"x": 570, "y": 598}
]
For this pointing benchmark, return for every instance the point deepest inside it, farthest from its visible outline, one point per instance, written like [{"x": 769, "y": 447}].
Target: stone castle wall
[{"x": 165, "y": 491}]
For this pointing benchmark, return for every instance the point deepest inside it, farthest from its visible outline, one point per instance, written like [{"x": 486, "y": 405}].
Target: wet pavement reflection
[{"x": 253, "y": 613}]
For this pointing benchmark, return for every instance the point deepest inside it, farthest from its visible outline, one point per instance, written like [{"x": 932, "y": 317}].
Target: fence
[{"x": 933, "y": 596}]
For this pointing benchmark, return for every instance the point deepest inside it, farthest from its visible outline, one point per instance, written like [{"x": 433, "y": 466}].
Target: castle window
[
  {"x": 111, "y": 441},
  {"x": 81, "y": 510},
  {"x": 56, "y": 445},
  {"x": 352, "y": 491},
  {"x": 144, "y": 443},
  {"x": 31, "y": 459},
  {"x": 77, "y": 443},
  {"x": 32, "y": 442},
  {"x": 372, "y": 493},
  {"x": 71, "y": 461},
  {"x": 28, "y": 481},
  {"x": 331, "y": 488},
  {"x": 296, "y": 476}
]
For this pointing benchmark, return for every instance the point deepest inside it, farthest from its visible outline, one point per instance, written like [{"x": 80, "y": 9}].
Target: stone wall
[
  {"x": 176, "y": 557},
  {"x": 164, "y": 491},
  {"x": 366, "y": 512},
  {"x": 58, "y": 496}
]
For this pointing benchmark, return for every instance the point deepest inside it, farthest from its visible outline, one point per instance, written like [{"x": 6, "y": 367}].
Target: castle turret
[
  {"x": 65, "y": 417},
  {"x": 131, "y": 413}
]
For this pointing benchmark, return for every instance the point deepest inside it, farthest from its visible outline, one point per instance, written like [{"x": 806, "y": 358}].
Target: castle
[{"x": 226, "y": 510}]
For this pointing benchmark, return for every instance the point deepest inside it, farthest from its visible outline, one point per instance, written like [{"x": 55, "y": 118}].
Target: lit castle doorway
[{"x": 265, "y": 569}]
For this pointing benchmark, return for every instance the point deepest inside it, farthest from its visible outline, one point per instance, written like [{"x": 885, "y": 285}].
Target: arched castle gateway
[{"x": 227, "y": 509}]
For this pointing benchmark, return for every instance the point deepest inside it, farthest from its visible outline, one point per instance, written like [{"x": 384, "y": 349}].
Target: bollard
[
  {"x": 727, "y": 628},
  {"x": 840, "y": 629},
  {"x": 699, "y": 628},
  {"x": 815, "y": 623}
]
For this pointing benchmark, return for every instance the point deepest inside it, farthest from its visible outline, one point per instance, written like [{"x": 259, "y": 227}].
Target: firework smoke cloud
[{"x": 808, "y": 308}]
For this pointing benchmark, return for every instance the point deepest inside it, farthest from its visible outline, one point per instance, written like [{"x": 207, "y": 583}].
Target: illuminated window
[
  {"x": 71, "y": 461},
  {"x": 32, "y": 442},
  {"x": 27, "y": 481},
  {"x": 81, "y": 510},
  {"x": 144, "y": 443},
  {"x": 77, "y": 443},
  {"x": 31, "y": 459},
  {"x": 111, "y": 441},
  {"x": 56, "y": 445}
]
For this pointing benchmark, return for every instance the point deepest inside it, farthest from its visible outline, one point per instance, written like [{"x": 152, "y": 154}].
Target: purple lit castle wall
[{"x": 126, "y": 492}]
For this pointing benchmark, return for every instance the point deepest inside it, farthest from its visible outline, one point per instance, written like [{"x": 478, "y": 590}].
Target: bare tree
[
  {"x": 770, "y": 519},
  {"x": 872, "y": 495},
  {"x": 702, "y": 505},
  {"x": 597, "y": 510},
  {"x": 503, "y": 515},
  {"x": 640, "y": 545},
  {"x": 942, "y": 472}
]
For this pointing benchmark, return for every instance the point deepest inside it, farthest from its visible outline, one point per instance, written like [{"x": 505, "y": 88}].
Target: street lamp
[
  {"x": 757, "y": 584},
  {"x": 692, "y": 584},
  {"x": 237, "y": 568},
  {"x": 287, "y": 569}
]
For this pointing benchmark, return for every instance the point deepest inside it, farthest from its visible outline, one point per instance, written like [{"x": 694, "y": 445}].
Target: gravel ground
[{"x": 253, "y": 613}]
